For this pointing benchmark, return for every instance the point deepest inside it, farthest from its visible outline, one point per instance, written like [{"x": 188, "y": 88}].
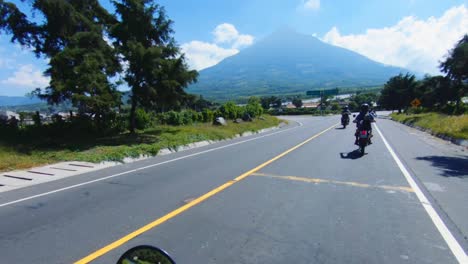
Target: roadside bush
[
  {"x": 173, "y": 118},
  {"x": 335, "y": 106},
  {"x": 120, "y": 123},
  {"x": 231, "y": 111},
  {"x": 189, "y": 117},
  {"x": 185, "y": 117},
  {"x": 451, "y": 109},
  {"x": 254, "y": 107},
  {"x": 142, "y": 119},
  {"x": 37, "y": 119},
  {"x": 207, "y": 116},
  {"x": 417, "y": 110}
]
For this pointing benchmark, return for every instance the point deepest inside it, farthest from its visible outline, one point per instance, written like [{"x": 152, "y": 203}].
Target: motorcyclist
[
  {"x": 345, "y": 113},
  {"x": 366, "y": 118}
]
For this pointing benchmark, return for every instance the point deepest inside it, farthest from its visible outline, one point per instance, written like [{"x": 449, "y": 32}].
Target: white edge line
[
  {"x": 453, "y": 244},
  {"x": 145, "y": 167}
]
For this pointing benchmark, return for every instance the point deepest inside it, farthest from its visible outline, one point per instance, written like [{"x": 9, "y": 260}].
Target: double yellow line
[{"x": 98, "y": 253}]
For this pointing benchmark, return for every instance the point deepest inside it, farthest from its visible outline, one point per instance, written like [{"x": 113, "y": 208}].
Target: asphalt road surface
[{"x": 300, "y": 194}]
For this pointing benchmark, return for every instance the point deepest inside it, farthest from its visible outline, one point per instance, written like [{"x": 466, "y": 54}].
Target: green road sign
[
  {"x": 331, "y": 92},
  {"x": 317, "y": 93},
  {"x": 323, "y": 92}
]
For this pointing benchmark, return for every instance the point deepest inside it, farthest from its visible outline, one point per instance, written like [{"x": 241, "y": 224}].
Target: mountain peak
[
  {"x": 287, "y": 62},
  {"x": 285, "y": 29}
]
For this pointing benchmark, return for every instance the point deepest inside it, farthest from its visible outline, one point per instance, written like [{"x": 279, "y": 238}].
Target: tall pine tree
[
  {"x": 80, "y": 60},
  {"x": 157, "y": 73}
]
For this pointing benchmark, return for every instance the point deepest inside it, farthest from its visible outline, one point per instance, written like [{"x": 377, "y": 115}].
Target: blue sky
[{"x": 409, "y": 33}]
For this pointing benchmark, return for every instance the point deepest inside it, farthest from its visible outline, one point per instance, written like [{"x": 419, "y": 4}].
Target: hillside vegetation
[{"x": 438, "y": 124}]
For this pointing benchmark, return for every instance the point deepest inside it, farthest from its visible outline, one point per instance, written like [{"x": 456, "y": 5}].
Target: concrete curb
[
  {"x": 198, "y": 144},
  {"x": 456, "y": 141},
  {"x": 21, "y": 178}
]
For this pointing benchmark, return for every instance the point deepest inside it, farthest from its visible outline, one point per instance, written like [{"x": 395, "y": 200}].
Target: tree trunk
[{"x": 132, "y": 115}]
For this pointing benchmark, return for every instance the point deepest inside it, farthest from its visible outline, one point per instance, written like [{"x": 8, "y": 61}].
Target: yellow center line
[
  {"x": 315, "y": 180},
  {"x": 98, "y": 253}
]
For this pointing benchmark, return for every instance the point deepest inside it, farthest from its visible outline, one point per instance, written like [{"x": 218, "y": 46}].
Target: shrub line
[{"x": 457, "y": 141}]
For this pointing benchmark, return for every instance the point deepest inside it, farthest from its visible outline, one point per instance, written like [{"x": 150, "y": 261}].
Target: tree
[
  {"x": 435, "y": 91},
  {"x": 266, "y": 102},
  {"x": 197, "y": 103},
  {"x": 335, "y": 106},
  {"x": 277, "y": 102},
  {"x": 456, "y": 68},
  {"x": 324, "y": 101},
  {"x": 398, "y": 92},
  {"x": 361, "y": 98},
  {"x": 157, "y": 73},
  {"x": 71, "y": 36},
  {"x": 297, "y": 102},
  {"x": 269, "y": 101},
  {"x": 230, "y": 110},
  {"x": 253, "y": 107},
  {"x": 353, "y": 106}
]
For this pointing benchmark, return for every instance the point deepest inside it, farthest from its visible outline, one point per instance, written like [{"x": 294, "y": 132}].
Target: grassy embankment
[
  {"x": 438, "y": 124},
  {"x": 147, "y": 142}
]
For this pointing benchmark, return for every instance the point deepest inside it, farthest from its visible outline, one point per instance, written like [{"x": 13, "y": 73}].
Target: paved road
[{"x": 318, "y": 202}]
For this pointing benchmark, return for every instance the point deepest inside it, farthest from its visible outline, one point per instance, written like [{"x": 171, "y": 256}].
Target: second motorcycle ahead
[{"x": 345, "y": 117}]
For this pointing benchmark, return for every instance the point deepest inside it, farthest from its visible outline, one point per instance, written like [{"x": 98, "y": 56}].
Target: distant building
[
  {"x": 310, "y": 105},
  {"x": 8, "y": 114}
]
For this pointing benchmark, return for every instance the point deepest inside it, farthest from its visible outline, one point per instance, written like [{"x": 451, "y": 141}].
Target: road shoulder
[{"x": 440, "y": 167}]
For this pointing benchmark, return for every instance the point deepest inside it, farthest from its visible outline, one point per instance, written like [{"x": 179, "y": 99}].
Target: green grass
[
  {"x": 439, "y": 124},
  {"x": 147, "y": 142}
]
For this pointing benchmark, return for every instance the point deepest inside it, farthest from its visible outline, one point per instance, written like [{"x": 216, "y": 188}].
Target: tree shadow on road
[
  {"x": 450, "y": 166},
  {"x": 355, "y": 154}
]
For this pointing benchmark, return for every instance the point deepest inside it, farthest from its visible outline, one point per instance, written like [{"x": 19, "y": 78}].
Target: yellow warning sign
[{"x": 415, "y": 102}]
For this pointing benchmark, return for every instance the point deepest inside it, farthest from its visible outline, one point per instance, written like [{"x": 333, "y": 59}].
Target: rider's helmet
[
  {"x": 345, "y": 108},
  {"x": 364, "y": 108}
]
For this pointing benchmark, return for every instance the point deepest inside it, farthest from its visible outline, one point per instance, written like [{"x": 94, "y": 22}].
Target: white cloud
[
  {"x": 227, "y": 34},
  {"x": 226, "y": 42},
  {"x": 412, "y": 43},
  {"x": 201, "y": 55},
  {"x": 311, "y": 4},
  {"x": 27, "y": 76}
]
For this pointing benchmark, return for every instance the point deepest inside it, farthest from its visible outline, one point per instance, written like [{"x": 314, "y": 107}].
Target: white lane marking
[
  {"x": 453, "y": 244},
  {"x": 145, "y": 167}
]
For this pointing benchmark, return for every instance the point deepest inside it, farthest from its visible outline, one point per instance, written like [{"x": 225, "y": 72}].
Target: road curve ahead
[{"x": 300, "y": 194}]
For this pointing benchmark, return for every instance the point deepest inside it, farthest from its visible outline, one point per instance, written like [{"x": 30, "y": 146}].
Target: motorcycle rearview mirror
[
  {"x": 145, "y": 255},
  {"x": 354, "y": 115}
]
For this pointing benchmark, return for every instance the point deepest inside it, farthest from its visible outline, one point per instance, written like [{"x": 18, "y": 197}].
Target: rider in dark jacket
[
  {"x": 366, "y": 119},
  {"x": 345, "y": 113}
]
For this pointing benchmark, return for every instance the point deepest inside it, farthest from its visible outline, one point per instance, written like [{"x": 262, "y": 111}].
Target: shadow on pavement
[
  {"x": 340, "y": 128},
  {"x": 451, "y": 166},
  {"x": 355, "y": 154}
]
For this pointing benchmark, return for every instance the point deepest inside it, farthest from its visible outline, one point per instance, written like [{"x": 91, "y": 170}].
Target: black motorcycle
[
  {"x": 363, "y": 140},
  {"x": 344, "y": 120}
]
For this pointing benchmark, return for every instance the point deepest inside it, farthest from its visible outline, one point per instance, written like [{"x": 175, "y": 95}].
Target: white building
[{"x": 5, "y": 115}]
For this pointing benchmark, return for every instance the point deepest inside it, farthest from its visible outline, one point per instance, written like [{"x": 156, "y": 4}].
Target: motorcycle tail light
[{"x": 363, "y": 132}]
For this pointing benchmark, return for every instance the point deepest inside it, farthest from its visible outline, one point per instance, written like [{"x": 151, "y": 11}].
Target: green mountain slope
[{"x": 287, "y": 62}]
